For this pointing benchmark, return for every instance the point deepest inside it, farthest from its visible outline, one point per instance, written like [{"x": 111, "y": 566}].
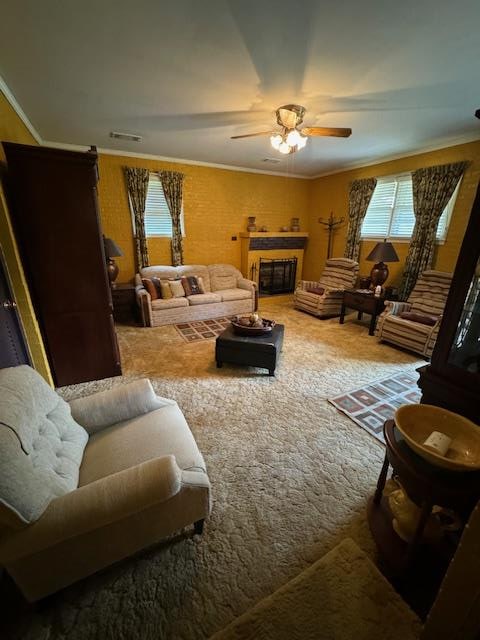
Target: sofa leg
[{"x": 198, "y": 527}]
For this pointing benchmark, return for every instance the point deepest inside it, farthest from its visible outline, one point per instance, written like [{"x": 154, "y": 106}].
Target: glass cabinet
[{"x": 452, "y": 379}]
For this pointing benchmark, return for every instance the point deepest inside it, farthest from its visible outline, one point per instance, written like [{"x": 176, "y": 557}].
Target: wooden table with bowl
[
  {"x": 417, "y": 517},
  {"x": 251, "y": 341}
]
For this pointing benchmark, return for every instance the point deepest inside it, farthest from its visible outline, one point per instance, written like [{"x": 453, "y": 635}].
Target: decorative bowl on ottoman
[
  {"x": 252, "y": 325},
  {"x": 441, "y": 437}
]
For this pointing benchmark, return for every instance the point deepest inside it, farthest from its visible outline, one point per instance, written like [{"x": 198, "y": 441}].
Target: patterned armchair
[
  {"x": 428, "y": 297},
  {"x": 339, "y": 274}
]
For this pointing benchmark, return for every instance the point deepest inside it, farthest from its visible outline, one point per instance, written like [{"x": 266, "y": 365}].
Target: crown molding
[
  {"x": 148, "y": 156},
  {"x": 445, "y": 144},
  {"x": 18, "y": 110}
]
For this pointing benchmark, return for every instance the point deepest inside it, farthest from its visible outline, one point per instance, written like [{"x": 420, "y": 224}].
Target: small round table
[{"x": 426, "y": 485}]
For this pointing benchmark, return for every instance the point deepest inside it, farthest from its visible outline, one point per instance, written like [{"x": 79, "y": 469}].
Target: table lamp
[
  {"x": 383, "y": 252},
  {"x": 112, "y": 250}
]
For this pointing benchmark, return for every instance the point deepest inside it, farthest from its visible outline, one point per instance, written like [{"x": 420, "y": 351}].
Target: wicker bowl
[
  {"x": 417, "y": 421},
  {"x": 243, "y": 330}
]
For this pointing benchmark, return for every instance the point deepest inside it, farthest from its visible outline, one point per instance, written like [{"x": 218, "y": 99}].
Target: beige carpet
[{"x": 290, "y": 478}]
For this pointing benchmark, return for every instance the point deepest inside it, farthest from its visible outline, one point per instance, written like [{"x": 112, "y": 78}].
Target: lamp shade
[
  {"x": 112, "y": 250},
  {"x": 383, "y": 252}
]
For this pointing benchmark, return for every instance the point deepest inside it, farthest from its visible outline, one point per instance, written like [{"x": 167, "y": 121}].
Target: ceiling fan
[{"x": 291, "y": 138}]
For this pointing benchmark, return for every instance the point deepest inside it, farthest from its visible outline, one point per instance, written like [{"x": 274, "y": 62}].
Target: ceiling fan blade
[
  {"x": 337, "y": 132},
  {"x": 252, "y": 135}
]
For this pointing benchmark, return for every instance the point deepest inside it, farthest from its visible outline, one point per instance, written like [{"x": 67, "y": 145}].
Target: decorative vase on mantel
[
  {"x": 295, "y": 224},
  {"x": 251, "y": 224}
]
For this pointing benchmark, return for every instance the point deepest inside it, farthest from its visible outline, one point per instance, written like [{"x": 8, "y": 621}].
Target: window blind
[
  {"x": 390, "y": 212},
  {"x": 158, "y": 221}
]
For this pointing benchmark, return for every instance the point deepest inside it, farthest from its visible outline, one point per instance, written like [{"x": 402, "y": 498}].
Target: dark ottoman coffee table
[{"x": 255, "y": 351}]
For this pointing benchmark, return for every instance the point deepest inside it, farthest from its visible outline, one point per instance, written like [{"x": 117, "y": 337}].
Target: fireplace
[{"x": 277, "y": 275}]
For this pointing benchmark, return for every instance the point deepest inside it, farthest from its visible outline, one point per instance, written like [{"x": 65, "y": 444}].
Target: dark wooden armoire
[
  {"x": 53, "y": 203},
  {"x": 452, "y": 379}
]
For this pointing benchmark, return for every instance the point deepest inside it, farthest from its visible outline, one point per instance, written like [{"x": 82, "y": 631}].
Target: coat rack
[{"x": 331, "y": 224}]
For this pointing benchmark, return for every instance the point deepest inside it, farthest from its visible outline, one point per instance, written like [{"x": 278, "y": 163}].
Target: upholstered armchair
[
  {"x": 324, "y": 298},
  {"x": 87, "y": 483},
  {"x": 414, "y": 324}
]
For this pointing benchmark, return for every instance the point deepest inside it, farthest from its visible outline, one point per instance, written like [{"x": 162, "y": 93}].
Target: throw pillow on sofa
[
  {"x": 192, "y": 285},
  {"x": 166, "y": 290},
  {"x": 177, "y": 288},
  {"x": 419, "y": 317},
  {"x": 150, "y": 287}
]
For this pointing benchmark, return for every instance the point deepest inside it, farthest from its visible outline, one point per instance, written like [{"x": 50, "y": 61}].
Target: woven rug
[
  {"x": 342, "y": 596},
  {"x": 202, "y": 329},
  {"x": 371, "y": 405}
]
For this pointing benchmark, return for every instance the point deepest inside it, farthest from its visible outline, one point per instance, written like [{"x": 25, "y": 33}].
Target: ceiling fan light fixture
[
  {"x": 284, "y": 148},
  {"x": 276, "y": 140},
  {"x": 302, "y": 141},
  {"x": 293, "y": 137}
]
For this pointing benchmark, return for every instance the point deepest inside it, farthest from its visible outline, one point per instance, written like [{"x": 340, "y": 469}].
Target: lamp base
[
  {"x": 112, "y": 270},
  {"x": 379, "y": 274}
]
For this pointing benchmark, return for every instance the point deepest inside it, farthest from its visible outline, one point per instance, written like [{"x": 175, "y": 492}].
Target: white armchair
[
  {"x": 339, "y": 274},
  {"x": 85, "y": 484}
]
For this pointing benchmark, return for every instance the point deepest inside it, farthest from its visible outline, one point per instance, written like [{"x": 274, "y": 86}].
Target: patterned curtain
[
  {"x": 137, "y": 186},
  {"x": 360, "y": 194},
  {"x": 432, "y": 189},
  {"x": 172, "y": 184}
]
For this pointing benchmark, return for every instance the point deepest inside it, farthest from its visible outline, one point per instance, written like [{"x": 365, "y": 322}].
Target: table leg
[
  {"x": 373, "y": 322},
  {"x": 382, "y": 478},
  {"x": 219, "y": 364},
  {"x": 342, "y": 314},
  {"x": 359, "y": 315}
]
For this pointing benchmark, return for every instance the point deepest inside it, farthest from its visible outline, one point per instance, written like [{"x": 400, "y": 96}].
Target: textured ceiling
[{"x": 187, "y": 75}]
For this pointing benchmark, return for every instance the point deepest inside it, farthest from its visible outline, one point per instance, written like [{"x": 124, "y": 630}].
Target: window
[
  {"x": 158, "y": 221},
  {"x": 390, "y": 212}
]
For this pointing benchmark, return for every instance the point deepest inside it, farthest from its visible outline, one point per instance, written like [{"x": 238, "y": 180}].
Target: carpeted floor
[{"x": 290, "y": 477}]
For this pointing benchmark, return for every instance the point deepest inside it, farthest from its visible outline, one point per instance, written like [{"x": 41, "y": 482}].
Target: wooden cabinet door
[{"x": 55, "y": 216}]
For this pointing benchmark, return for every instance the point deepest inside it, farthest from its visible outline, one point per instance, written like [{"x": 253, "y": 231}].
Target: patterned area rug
[
  {"x": 202, "y": 329},
  {"x": 371, "y": 405}
]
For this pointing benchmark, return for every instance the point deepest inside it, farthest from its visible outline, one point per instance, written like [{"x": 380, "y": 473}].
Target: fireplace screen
[{"x": 277, "y": 275}]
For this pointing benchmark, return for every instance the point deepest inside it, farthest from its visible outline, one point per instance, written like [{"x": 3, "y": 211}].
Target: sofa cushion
[
  {"x": 234, "y": 294},
  {"x": 41, "y": 445},
  {"x": 171, "y": 303},
  {"x": 204, "y": 298},
  {"x": 158, "y": 433},
  {"x": 223, "y": 276}
]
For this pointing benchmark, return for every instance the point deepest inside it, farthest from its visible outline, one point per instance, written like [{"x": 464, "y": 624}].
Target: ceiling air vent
[
  {"x": 125, "y": 136},
  {"x": 271, "y": 160}
]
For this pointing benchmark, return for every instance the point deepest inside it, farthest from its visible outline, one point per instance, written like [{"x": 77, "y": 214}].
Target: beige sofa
[
  {"x": 227, "y": 293},
  {"x": 87, "y": 483}
]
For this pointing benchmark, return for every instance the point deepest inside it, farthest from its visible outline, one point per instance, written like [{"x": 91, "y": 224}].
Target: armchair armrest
[
  {"x": 249, "y": 285},
  {"x": 144, "y": 301},
  {"x": 102, "y": 409},
  {"x": 97, "y": 504}
]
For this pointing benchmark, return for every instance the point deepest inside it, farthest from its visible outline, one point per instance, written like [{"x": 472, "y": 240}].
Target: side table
[
  {"x": 426, "y": 485},
  {"x": 363, "y": 303},
  {"x": 124, "y": 302}
]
